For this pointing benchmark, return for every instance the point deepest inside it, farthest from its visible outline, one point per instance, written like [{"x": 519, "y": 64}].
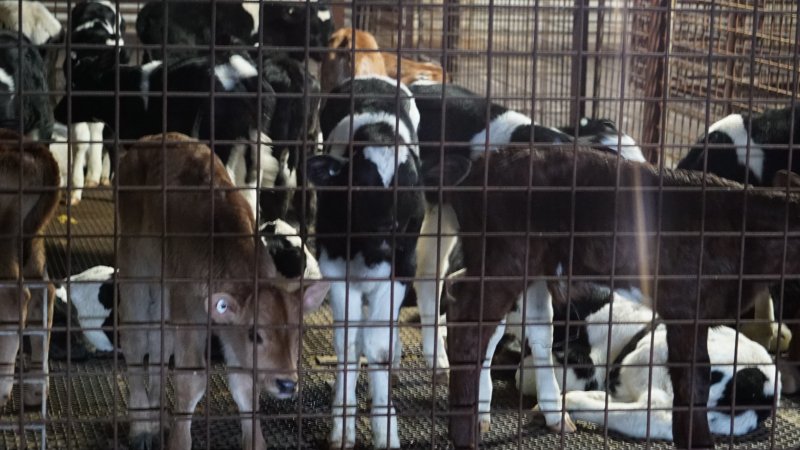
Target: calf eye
[{"x": 255, "y": 336}]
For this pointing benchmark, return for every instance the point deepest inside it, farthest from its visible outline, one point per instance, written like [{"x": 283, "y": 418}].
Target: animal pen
[{"x": 662, "y": 71}]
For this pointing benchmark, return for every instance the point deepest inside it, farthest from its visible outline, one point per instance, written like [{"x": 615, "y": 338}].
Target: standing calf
[
  {"x": 366, "y": 238},
  {"x": 265, "y": 323},
  {"x": 592, "y": 230},
  {"x": 31, "y": 174}
]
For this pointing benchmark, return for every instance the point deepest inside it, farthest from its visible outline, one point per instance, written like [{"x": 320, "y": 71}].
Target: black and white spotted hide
[
  {"x": 602, "y": 134},
  {"x": 588, "y": 350},
  {"x": 240, "y": 122},
  {"x": 751, "y": 146},
  {"x": 383, "y": 225},
  {"x": 96, "y": 23},
  {"x": 293, "y": 260},
  {"x": 23, "y": 70},
  {"x": 88, "y": 298}
]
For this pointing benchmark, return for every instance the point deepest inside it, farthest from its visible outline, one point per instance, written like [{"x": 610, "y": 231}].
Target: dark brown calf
[
  {"x": 658, "y": 238},
  {"x": 183, "y": 224},
  {"x": 29, "y": 180}
]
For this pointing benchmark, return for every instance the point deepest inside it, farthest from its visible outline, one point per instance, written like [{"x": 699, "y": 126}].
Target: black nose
[{"x": 286, "y": 386}]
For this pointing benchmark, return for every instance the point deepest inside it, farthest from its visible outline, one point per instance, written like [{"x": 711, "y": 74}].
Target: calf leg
[
  {"x": 42, "y": 300},
  {"x": 468, "y": 340},
  {"x": 140, "y": 304},
  {"x": 432, "y": 262},
  {"x": 79, "y": 148},
  {"x": 12, "y": 317},
  {"x": 241, "y": 385},
  {"x": 346, "y": 308},
  {"x": 94, "y": 160},
  {"x": 190, "y": 384},
  {"x": 631, "y": 419},
  {"x": 486, "y": 388},
  {"x": 538, "y": 320},
  {"x": 379, "y": 343},
  {"x": 689, "y": 428}
]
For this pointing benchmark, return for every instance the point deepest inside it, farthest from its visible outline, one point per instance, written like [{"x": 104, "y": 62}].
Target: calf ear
[
  {"x": 314, "y": 294},
  {"x": 785, "y": 177},
  {"x": 323, "y": 168},
  {"x": 451, "y": 172},
  {"x": 224, "y": 309}
]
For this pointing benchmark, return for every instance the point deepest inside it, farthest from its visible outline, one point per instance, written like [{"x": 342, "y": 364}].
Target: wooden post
[
  {"x": 656, "y": 75},
  {"x": 580, "y": 45}
]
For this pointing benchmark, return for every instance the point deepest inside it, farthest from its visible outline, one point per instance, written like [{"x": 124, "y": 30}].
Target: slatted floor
[{"x": 86, "y": 407}]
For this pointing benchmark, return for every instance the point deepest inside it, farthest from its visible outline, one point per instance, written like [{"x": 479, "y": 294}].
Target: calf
[
  {"x": 266, "y": 321},
  {"x": 28, "y": 199},
  {"x": 40, "y": 26},
  {"x": 22, "y": 70},
  {"x": 351, "y": 52},
  {"x": 409, "y": 71},
  {"x": 240, "y": 123},
  {"x": 96, "y": 36},
  {"x": 607, "y": 218},
  {"x": 469, "y": 125},
  {"x": 270, "y": 23},
  {"x": 753, "y": 148},
  {"x": 366, "y": 238},
  {"x": 625, "y": 350}
]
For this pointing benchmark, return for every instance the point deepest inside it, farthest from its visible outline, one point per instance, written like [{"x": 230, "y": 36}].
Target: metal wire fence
[{"x": 207, "y": 320}]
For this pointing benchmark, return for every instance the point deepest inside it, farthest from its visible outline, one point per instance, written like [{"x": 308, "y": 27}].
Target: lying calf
[
  {"x": 265, "y": 321},
  {"x": 629, "y": 374}
]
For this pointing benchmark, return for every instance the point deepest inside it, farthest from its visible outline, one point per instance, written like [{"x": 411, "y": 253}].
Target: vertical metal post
[{"x": 580, "y": 44}]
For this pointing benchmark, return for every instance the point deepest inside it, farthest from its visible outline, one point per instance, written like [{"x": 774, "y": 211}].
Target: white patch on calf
[
  {"x": 625, "y": 145},
  {"x": 413, "y": 112},
  {"x": 144, "y": 85},
  {"x": 734, "y": 127},
  {"x": 84, "y": 292},
  {"x": 235, "y": 69},
  {"x": 254, "y": 9},
  {"x": 386, "y": 160},
  {"x": 340, "y": 135},
  {"x": 500, "y": 130},
  {"x": 8, "y": 80},
  {"x": 324, "y": 15}
]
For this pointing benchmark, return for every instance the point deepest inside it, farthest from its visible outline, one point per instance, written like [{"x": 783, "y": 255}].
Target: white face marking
[
  {"x": 253, "y": 8},
  {"x": 244, "y": 67},
  {"x": 234, "y": 70},
  {"x": 8, "y": 80},
  {"x": 324, "y": 15},
  {"x": 499, "y": 131},
  {"x": 384, "y": 160},
  {"x": 733, "y": 126}
]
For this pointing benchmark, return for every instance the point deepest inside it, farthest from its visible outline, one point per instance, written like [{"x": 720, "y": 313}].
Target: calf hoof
[
  {"x": 74, "y": 201},
  {"x": 566, "y": 425},
  {"x": 790, "y": 377},
  {"x": 442, "y": 378},
  {"x": 485, "y": 424},
  {"x": 781, "y": 337},
  {"x": 105, "y": 182},
  {"x": 145, "y": 441},
  {"x": 341, "y": 445},
  {"x": 33, "y": 396},
  {"x": 91, "y": 184}
]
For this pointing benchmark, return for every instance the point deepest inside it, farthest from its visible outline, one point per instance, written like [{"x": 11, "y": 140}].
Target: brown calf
[
  {"x": 187, "y": 237},
  {"x": 618, "y": 222},
  {"x": 33, "y": 175},
  {"x": 338, "y": 65},
  {"x": 412, "y": 71}
]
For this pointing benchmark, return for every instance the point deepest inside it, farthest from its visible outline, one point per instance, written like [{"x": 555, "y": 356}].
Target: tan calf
[
  {"x": 180, "y": 273},
  {"x": 412, "y": 71},
  {"x": 346, "y": 44},
  {"x": 34, "y": 173}
]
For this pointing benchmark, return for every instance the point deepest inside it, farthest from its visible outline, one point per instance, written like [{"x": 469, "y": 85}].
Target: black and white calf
[
  {"x": 96, "y": 37},
  {"x": 748, "y": 146},
  {"x": 23, "y": 70},
  {"x": 40, "y": 26},
  {"x": 240, "y": 123},
  {"x": 463, "y": 115},
  {"x": 366, "y": 237},
  {"x": 627, "y": 352},
  {"x": 284, "y": 24}
]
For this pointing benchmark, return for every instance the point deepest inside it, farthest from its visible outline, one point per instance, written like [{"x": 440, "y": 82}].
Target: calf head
[
  {"x": 379, "y": 161},
  {"x": 265, "y": 327}
]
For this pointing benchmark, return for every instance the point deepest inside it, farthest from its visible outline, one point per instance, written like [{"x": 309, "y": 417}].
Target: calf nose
[{"x": 286, "y": 386}]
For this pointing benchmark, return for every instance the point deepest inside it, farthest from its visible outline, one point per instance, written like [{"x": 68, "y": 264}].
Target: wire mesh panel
[{"x": 265, "y": 241}]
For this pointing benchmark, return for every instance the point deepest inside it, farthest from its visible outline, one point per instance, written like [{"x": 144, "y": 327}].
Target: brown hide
[
  {"x": 29, "y": 180},
  {"x": 596, "y": 230},
  {"x": 171, "y": 198}
]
